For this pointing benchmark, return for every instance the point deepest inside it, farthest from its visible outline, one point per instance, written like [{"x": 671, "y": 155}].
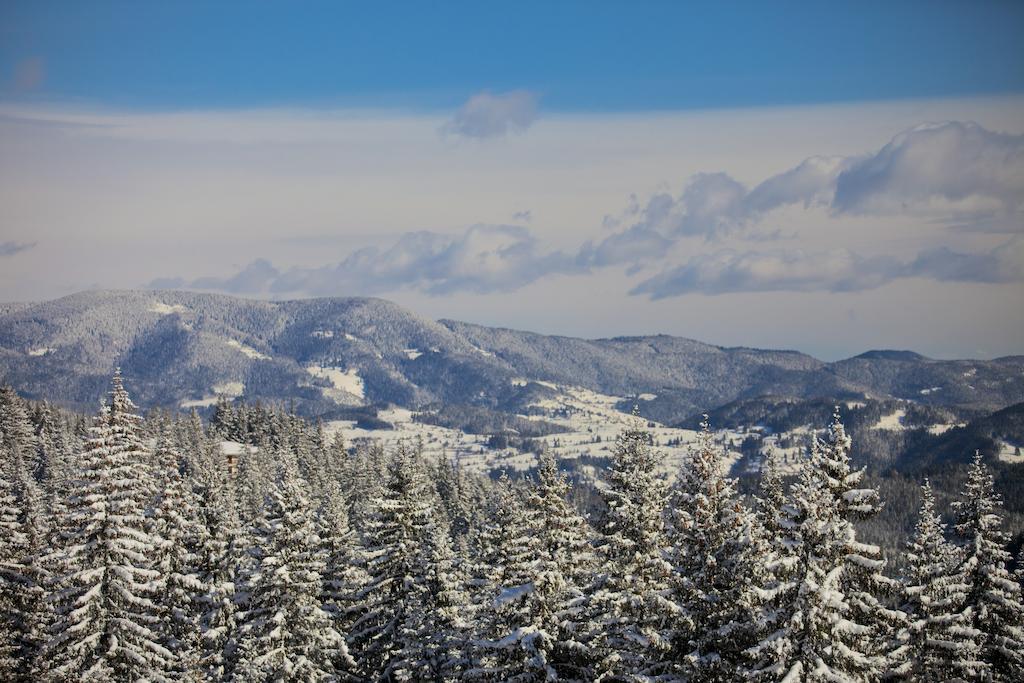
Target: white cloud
[
  {"x": 837, "y": 270},
  {"x": 948, "y": 168},
  {"x": 490, "y": 115}
]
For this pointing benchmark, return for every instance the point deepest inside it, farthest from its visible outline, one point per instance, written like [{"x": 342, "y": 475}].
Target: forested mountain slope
[{"x": 184, "y": 349}]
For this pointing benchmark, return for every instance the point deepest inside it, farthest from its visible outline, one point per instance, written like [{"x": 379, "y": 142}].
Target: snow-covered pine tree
[
  {"x": 286, "y": 635},
  {"x": 344, "y": 565},
  {"x": 397, "y": 592},
  {"x": 829, "y": 625},
  {"x": 178, "y": 534},
  {"x": 106, "y": 624},
  {"x": 219, "y": 552},
  {"x": 992, "y": 598},
  {"x": 435, "y": 636},
  {"x": 513, "y": 644},
  {"x": 533, "y": 622},
  {"x": 941, "y": 643},
  {"x": 775, "y": 578},
  {"x": 714, "y": 551},
  {"x": 23, "y": 535},
  {"x": 631, "y": 615}
]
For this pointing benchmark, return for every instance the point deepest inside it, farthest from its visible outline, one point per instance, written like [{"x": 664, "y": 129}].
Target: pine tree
[
  {"x": 106, "y": 620},
  {"x": 177, "y": 533},
  {"x": 398, "y": 557},
  {"x": 993, "y": 598},
  {"x": 942, "y": 644},
  {"x": 287, "y": 636},
  {"x": 219, "y": 550},
  {"x": 632, "y": 615},
  {"x": 715, "y": 556},
  {"x": 23, "y": 535},
  {"x": 830, "y": 624},
  {"x": 344, "y": 565}
]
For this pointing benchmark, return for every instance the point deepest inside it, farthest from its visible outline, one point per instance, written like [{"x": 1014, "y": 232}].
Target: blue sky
[
  {"x": 581, "y": 56},
  {"x": 826, "y": 176}
]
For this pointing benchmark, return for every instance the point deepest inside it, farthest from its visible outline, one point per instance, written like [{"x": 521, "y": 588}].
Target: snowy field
[{"x": 592, "y": 420}]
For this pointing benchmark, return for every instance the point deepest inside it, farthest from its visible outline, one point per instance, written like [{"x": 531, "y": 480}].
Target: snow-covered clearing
[
  {"x": 932, "y": 390},
  {"x": 1011, "y": 452},
  {"x": 345, "y": 384},
  {"x": 412, "y": 354},
  {"x": 167, "y": 309},
  {"x": 225, "y": 390},
  {"x": 892, "y": 422},
  {"x": 42, "y": 351},
  {"x": 247, "y": 350},
  {"x": 592, "y": 420}
]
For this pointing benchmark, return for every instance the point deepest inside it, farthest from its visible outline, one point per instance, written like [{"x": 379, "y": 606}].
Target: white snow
[
  {"x": 942, "y": 428},
  {"x": 225, "y": 389},
  {"x": 647, "y": 397},
  {"x": 247, "y": 350},
  {"x": 1010, "y": 452},
  {"x": 166, "y": 309},
  {"x": 42, "y": 351},
  {"x": 932, "y": 390},
  {"x": 350, "y": 337},
  {"x": 893, "y": 422},
  {"x": 322, "y": 334},
  {"x": 346, "y": 382},
  {"x": 412, "y": 354}
]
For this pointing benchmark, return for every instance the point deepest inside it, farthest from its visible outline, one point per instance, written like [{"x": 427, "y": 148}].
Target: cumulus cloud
[
  {"x": 490, "y": 115},
  {"x": 950, "y": 167},
  {"x": 482, "y": 259},
  {"x": 839, "y": 270},
  {"x": 12, "y": 248},
  {"x": 964, "y": 175}
]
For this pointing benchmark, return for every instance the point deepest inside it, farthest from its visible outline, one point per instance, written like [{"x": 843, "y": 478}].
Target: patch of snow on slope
[
  {"x": 322, "y": 334},
  {"x": 647, "y": 397},
  {"x": 229, "y": 389},
  {"x": 225, "y": 390},
  {"x": 42, "y": 351},
  {"x": 1010, "y": 452},
  {"x": 412, "y": 354},
  {"x": 350, "y": 337},
  {"x": 942, "y": 428},
  {"x": 247, "y": 350},
  {"x": 166, "y": 309},
  {"x": 347, "y": 382},
  {"x": 893, "y": 422},
  {"x": 932, "y": 390}
]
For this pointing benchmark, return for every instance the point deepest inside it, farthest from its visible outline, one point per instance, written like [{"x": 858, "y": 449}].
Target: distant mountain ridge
[{"x": 186, "y": 348}]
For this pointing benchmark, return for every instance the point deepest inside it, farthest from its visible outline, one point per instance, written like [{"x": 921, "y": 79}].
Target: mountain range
[{"x": 325, "y": 356}]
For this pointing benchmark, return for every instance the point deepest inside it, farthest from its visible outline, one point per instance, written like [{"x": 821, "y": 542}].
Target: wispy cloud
[
  {"x": 840, "y": 270},
  {"x": 490, "y": 115},
  {"x": 482, "y": 259},
  {"x": 12, "y": 248},
  {"x": 959, "y": 173},
  {"x": 953, "y": 163}
]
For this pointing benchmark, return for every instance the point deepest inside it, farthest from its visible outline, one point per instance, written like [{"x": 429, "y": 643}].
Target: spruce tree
[
  {"x": 177, "y": 533},
  {"x": 714, "y": 549},
  {"x": 397, "y": 593},
  {"x": 993, "y": 598},
  {"x": 942, "y": 645},
  {"x": 287, "y": 636},
  {"x": 107, "y": 625},
  {"x": 632, "y": 617}
]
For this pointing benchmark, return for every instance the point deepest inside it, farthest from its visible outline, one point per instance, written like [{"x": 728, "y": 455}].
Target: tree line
[{"x": 135, "y": 550}]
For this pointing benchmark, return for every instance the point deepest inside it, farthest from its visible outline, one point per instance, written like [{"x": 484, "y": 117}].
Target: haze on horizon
[{"x": 829, "y": 179}]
